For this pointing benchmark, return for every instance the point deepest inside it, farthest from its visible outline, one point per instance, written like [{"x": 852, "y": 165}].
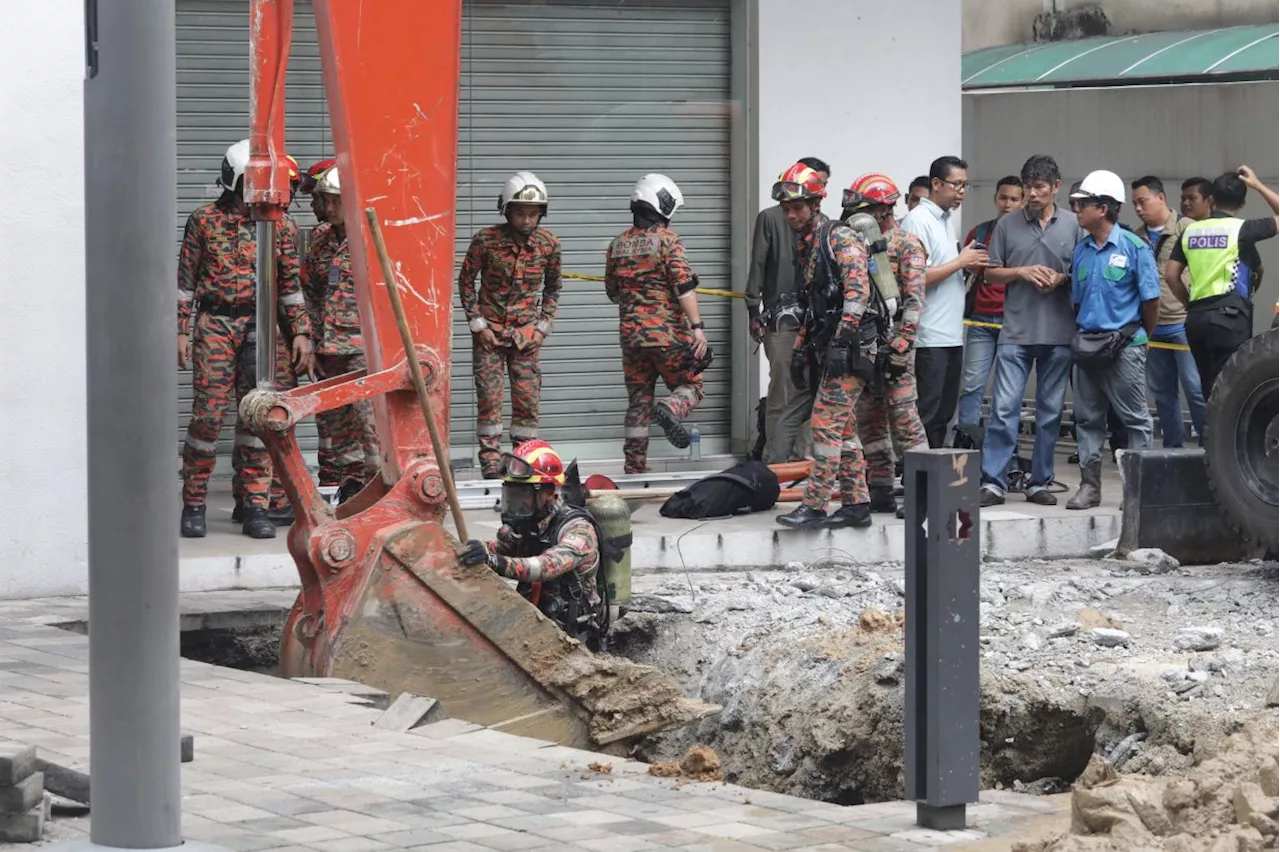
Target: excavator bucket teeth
[{"x": 417, "y": 621}]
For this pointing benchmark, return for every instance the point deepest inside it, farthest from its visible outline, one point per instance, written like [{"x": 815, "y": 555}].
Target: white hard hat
[
  {"x": 233, "y": 164},
  {"x": 327, "y": 183},
  {"x": 1101, "y": 184},
  {"x": 523, "y": 188},
  {"x": 659, "y": 192}
]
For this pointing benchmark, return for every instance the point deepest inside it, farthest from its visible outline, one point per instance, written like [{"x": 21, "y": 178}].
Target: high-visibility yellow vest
[{"x": 1212, "y": 249}]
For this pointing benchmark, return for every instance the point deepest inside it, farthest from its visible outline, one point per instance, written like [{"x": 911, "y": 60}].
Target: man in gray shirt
[
  {"x": 1030, "y": 253},
  {"x": 775, "y": 321}
]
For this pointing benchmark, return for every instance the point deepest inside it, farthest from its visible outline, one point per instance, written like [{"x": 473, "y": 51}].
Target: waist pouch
[{"x": 1098, "y": 350}]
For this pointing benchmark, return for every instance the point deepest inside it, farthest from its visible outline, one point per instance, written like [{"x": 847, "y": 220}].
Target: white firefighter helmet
[
  {"x": 1101, "y": 184},
  {"x": 327, "y": 183},
  {"x": 233, "y": 164},
  {"x": 523, "y": 188},
  {"x": 659, "y": 192}
]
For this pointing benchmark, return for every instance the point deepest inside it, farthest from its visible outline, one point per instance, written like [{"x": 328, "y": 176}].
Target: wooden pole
[{"x": 415, "y": 371}]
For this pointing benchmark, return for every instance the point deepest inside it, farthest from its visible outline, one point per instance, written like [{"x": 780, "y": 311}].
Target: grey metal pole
[
  {"x": 266, "y": 305},
  {"x": 130, "y": 212}
]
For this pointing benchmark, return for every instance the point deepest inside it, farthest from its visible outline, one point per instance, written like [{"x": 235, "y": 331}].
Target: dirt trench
[{"x": 808, "y": 666}]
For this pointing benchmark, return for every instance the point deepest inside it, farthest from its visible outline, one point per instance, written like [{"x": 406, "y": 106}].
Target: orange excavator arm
[{"x": 383, "y": 599}]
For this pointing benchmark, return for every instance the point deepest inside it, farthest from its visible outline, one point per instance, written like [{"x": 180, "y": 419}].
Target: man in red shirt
[{"x": 984, "y": 303}]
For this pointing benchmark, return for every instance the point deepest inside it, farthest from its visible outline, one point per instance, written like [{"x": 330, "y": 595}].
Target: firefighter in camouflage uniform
[
  {"x": 216, "y": 312},
  {"x": 511, "y": 313},
  {"x": 887, "y": 416},
  {"x": 647, "y": 277},
  {"x": 351, "y": 457},
  {"x": 551, "y": 549},
  {"x": 832, "y": 349}
]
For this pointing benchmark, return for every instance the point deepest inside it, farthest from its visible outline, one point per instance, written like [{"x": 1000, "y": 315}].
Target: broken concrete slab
[
  {"x": 17, "y": 761},
  {"x": 1198, "y": 638},
  {"x": 370, "y": 695},
  {"x": 25, "y": 827},
  {"x": 408, "y": 712},
  {"x": 23, "y": 796},
  {"x": 65, "y": 782}
]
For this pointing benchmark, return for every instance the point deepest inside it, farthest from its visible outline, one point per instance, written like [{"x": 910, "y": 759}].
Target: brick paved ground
[{"x": 288, "y": 766}]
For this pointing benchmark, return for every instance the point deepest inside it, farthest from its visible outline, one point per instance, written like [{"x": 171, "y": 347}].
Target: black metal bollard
[{"x": 942, "y": 692}]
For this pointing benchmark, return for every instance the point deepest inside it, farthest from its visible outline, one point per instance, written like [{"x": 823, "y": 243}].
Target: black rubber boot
[
  {"x": 237, "y": 514},
  {"x": 192, "y": 525},
  {"x": 674, "y": 429},
  {"x": 257, "y": 524},
  {"x": 351, "y": 488},
  {"x": 803, "y": 516},
  {"x": 281, "y": 517},
  {"x": 852, "y": 515},
  {"x": 882, "y": 499}
]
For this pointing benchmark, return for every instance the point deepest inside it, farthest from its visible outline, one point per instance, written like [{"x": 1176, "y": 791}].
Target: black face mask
[{"x": 523, "y": 506}]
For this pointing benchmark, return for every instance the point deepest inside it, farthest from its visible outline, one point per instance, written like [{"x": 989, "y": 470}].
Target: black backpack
[{"x": 749, "y": 486}]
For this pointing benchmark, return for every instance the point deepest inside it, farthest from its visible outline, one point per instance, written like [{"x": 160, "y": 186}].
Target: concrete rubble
[
  {"x": 24, "y": 807},
  {"x": 1077, "y": 657}
]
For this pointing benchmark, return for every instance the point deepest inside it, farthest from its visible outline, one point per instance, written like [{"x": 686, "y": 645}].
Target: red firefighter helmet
[
  {"x": 533, "y": 462},
  {"x": 871, "y": 189},
  {"x": 799, "y": 182},
  {"x": 295, "y": 171},
  {"x": 313, "y": 174}
]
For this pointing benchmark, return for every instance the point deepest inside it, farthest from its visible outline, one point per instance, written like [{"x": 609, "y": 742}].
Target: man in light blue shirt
[
  {"x": 1115, "y": 290},
  {"x": 940, "y": 339}
]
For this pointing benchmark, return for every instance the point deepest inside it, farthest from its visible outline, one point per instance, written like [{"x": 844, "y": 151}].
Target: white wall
[
  {"x": 992, "y": 22},
  {"x": 890, "y": 107},
  {"x": 43, "y": 521}
]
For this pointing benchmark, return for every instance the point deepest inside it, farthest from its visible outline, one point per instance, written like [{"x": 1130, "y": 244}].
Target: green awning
[{"x": 1228, "y": 54}]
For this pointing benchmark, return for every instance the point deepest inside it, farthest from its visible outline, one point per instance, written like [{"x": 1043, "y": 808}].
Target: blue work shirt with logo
[{"x": 1110, "y": 283}]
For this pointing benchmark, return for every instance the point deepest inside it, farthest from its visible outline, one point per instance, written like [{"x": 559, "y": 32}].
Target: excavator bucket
[{"x": 415, "y": 620}]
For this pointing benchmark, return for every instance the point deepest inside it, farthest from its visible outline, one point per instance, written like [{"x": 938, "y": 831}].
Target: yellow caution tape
[{"x": 1154, "y": 344}]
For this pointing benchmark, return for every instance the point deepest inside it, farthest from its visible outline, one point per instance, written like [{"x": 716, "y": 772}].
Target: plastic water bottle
[{"x": 695, "y": 443}]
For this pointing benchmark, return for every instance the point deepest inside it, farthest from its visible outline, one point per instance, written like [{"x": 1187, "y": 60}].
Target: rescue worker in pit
[
  {"x": 647, "y": 276},
  {"x": 551, "y": 549},
  {"x": 511, "y": 313},
  {"x": 216, "y": 312},
  {"x": 886, "y": 412},
  {"x": 833, "y": 350},
  {"x": 352, "y": 457},
  {"x": 279, "y": 512}
]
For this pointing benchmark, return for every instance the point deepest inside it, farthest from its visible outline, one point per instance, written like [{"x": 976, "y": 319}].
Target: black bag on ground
[{"x": 746, "y": 487}]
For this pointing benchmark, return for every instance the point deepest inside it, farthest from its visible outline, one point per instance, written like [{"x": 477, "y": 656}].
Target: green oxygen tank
[
  {"x": 878, "y": 255},
  {"x": 614, "y": 517}
]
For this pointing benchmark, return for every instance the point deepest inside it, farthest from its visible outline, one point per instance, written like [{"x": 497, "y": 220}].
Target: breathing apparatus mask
[{"x": 525, "y": 504}]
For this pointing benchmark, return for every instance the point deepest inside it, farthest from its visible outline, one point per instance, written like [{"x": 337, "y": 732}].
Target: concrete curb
[{"x": 712, "y": 546}]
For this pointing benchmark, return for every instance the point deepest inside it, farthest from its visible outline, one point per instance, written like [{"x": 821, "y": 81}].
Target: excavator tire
[{"x": 1240, "y": 441}]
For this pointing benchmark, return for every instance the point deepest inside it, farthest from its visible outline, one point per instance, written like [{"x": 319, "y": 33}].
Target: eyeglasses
[{"x": 958, "y": 185}]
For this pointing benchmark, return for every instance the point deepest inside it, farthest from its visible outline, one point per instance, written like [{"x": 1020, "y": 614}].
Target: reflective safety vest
[{"x": 1212, "y": 249}]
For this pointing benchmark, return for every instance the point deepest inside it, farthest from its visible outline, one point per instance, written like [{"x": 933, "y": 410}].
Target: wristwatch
[{"x": 698, "y": 325}]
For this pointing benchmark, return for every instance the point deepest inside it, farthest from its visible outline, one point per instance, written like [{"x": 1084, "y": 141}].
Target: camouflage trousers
[
  {"x": 246, "y": 441},
  {"x": 837, "y": 452},
  {"x": 219, "y": 373},
  {"x": 888, "y": 425},
  {"x": 490, "y": 367},
  {"x": 348, "y": 450},
  {"x": 642, "y": 366}
]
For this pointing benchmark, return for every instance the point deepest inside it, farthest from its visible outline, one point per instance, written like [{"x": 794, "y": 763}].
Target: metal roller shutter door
[{"x": 590, "y": 95}]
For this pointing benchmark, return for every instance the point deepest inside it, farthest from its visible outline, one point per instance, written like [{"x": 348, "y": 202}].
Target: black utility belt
[{"x": 218, "y": 308}]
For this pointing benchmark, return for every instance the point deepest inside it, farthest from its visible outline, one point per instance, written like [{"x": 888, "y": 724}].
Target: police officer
[
  {"x": 648, "y": 278},
  {"x": 1222, "y": 256},
  {"x": 551, "y": 549},
  {"x": 352, "y": 457},
  {"x": 511, "y": 313},
  {"x": 834, "y": 351},
  {"x": 216, "y": 309},
  {"x": 886, "y": 412}
]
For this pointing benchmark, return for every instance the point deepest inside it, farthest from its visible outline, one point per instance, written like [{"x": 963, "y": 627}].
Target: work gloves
[
  {"x": 897, "y": 365},
  {"x": 474, "y": 553}
]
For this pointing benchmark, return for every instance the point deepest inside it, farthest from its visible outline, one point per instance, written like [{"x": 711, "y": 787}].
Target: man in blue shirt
[{"x": 1116, "y": 293}]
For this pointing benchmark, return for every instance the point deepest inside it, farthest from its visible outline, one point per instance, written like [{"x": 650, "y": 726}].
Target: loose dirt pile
[
  {"x": 1078, "y": 657},
  {"x": 1227, "y": 803},
  {"x": 699, "y": 764}
]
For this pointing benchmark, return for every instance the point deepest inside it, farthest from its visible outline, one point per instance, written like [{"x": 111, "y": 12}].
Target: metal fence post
[{"x": 942, "y": 690}]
